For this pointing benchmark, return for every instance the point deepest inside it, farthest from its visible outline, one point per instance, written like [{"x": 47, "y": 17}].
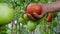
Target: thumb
[{"x": 42, "y": 14}]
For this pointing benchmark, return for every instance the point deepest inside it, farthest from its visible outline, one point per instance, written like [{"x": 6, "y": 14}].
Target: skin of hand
[{"x": 52, "y": 7}]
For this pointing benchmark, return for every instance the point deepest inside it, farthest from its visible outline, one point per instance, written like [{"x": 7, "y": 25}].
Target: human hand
[{"x": 37, "y": 16}]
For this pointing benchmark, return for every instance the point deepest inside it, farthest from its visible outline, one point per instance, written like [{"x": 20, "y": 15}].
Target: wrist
[
  {"x": 47, "y": 8},
  {"x": 44, "y": 8}
]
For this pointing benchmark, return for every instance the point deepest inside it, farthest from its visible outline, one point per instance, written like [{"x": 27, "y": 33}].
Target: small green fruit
[
  {"x": 31, "y": 25},
  {"x": 23, "y": 21}
]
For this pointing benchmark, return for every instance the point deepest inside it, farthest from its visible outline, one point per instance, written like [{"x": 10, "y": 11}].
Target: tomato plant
[
  {"x": 20, "y": 5},
  {"x": 6, "y": 14},
  {"x": 34, "y": 8}
]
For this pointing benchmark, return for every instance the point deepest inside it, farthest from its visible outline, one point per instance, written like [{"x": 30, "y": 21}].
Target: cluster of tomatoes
[{"x": 7, "y": 15}]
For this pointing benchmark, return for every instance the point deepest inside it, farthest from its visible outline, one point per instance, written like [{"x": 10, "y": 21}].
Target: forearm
[{"x": 55, "y": 6}]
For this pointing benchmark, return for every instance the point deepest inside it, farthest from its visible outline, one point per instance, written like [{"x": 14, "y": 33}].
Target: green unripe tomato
[
  {"x": 6, "y": 14},
  {"x": 22, "y": 20},
  {"x": 31, "y": 25}
]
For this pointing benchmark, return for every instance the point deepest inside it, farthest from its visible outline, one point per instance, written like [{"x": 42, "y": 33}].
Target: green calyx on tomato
[
  {"x": 6, "y": 14},
  {"x": 25, "y": 17},
  {"x": 34, "y": 8},
  {"x": 31, "y": 25}
]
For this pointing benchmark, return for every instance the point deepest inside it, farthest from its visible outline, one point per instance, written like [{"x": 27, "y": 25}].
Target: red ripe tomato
[
  {"x": 49, "y": 18},
  {"x": 34, "y": 8}
]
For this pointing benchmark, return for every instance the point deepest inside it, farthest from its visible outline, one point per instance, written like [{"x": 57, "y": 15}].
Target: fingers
[
  {"x": 30, "y": 16},
  {"x": 36, "y": 15},
  {"x": 43, "y": 14},
  {"x": 39, "y": 16}
]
